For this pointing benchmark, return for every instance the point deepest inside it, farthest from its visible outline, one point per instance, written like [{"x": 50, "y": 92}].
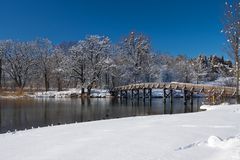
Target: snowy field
[{"x": 212, "y": 135}]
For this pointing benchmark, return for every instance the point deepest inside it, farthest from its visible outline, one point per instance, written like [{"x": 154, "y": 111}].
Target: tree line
[{"x": 96, "y": 62}]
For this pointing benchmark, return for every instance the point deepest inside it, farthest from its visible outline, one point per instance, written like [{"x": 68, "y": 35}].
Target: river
[{"x": 25, "y": 113}]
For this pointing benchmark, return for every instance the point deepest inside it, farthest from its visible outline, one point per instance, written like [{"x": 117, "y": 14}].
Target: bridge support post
[
  {"x": 138, "y": 94},
  {"x": 150, "y": 93},
  {"x": 164, "y": 108},
  {"x": 191, "y": 100},
  {"x": 132, "y": 94},
  {"x": 171, "y": 95},
  {"x": 144, "y": 93},
  {"x": 164, "y": 95},
  {"x": 171, "y": 108},
  {"x": 121, "y": 93},
  {"x": 126, "y": 93},
  {"x": 185, "y": 96}
]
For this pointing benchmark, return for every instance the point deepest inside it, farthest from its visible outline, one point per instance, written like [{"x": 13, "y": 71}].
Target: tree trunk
[
  {"x": 59, "y": 84},
  {"x": 113, "y": 82},
  {"x": 46, "y": 82},
  {"x": 83, "y": 92},
  {"x": 0, "y": 73},
  {"x": 89, "y": 87},
  {"x": 107, "y": 80},
  {"x": 237, "y": 69},
  {"x": 237, "y": 86}
]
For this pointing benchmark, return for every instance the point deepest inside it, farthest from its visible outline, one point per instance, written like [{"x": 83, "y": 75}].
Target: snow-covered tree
[
  {"x": 183, "y": 70},
  {"x": 200, "y": 69},
  {"x": 166, "y": 65},
  {"x": 89, "y": 60},
  {"x": 44, "y": 50},
  {"x": 232, "y": 33},
  {"x": 2, "y": 50},
  {"x": 135, "y": 58},
  {"x": 78, "y": 64},
  {"x": 60, "y": 66},
  {"x": 19, "y": 60},
  {"x": 97, "y": 49}
]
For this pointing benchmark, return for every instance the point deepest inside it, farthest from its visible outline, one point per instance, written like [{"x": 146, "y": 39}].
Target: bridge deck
[{"x": 201, "y": 88}]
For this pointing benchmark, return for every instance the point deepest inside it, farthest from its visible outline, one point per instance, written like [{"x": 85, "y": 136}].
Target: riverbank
[
  {"x": 70, "y": 93},
  {"x": 95, "y": 93},
  {"x": 213, "y": 134},
  {"x": 12, "y": 94}
]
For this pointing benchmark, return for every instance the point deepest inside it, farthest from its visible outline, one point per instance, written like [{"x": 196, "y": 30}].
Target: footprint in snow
[{"x": 188, "y": 146}]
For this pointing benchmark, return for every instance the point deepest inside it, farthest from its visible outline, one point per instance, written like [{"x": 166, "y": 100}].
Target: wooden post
[
  {"x": 171, "y": 95},
  {"x": 138, "y": 94},
  {"x": 150, "y": 102},
  {"x": 144, "y": 93},
  {"x": 132, "y": 91},
  {"x": 121, "y": 94},
  {"x": 185, "y": 92},
  {"x": 185, "y": 96},
  {"x": 164, "y": 95},
  {"x": 126, "y": 94},
  {"x": 171, "y": 108},
  {"x": 150, "y": 93},
  {"x": 191, "y": 100},
  {"x": 164, "y": 108}
]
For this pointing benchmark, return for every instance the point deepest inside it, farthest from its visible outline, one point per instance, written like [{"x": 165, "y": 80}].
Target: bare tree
[
  {"x": 19, "y": 62},
  {"x": 78, "y": 64},
  {"x": 44, "y": 50},
  {"x": 2, "y": 47},
  {"x": 60, "y": 63},
  {"x": 232, "y": 32}
]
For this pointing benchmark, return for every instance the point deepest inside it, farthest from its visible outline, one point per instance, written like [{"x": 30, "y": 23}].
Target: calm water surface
[{"x": 27, "y": 113}]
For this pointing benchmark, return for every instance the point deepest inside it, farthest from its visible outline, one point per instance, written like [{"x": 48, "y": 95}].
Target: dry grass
[{"x": 17, "y": 93}]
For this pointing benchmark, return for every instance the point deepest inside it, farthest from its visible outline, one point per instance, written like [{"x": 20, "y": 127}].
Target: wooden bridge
[{"x": 213, "y": 93}]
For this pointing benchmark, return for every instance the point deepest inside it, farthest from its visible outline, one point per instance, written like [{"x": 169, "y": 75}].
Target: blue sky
[{"x": 187, "y": 27}]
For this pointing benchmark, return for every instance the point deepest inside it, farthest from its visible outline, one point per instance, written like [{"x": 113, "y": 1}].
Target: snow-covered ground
[
  {"x": 95, "y": 93},
  {"x": 213, "y": 134}
]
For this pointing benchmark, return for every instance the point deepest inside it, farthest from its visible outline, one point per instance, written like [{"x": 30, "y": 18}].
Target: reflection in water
[{"x": 27, "y": 113}]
